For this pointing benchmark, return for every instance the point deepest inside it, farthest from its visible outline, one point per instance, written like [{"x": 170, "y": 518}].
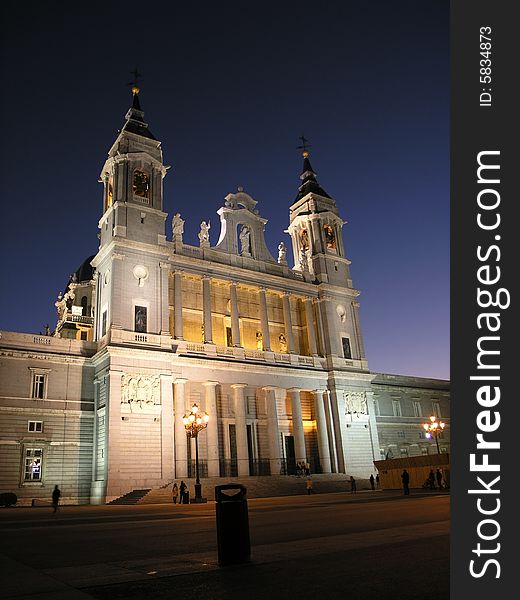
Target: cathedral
[{"x": 270, "y": 348}]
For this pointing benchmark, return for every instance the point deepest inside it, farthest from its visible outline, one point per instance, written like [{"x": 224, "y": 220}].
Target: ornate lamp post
[
  {"x": 194, "y": 422},
  {"x": 434, "y": 429}
]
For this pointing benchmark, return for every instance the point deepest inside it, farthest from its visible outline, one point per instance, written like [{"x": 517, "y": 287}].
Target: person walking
[
  {"x": 309, "y": 486},
  {"x": 431, "y": 480},
  {"x": 372, "y": 482},
  {"x": 353, "y": 488},
  {"x": 182, "y": 489},
  {"x": 438, "y": 476},
  {"x": 175, "y": 492},
  {"x": 56, "y": 493},
  {"x": 377, "y": 479},
  {"x": 405, "y": 476}
]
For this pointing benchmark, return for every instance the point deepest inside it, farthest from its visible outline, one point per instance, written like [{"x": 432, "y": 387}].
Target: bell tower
[
  {"x": 315, "y": 228},
  {"x": 131, "y": 263}
]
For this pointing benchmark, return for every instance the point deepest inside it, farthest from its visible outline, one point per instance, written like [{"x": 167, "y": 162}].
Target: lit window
[
  {"x": 38, "y": 385},
  {"x": 35, "y": 426},
  {"x": 33, "y": 464}
]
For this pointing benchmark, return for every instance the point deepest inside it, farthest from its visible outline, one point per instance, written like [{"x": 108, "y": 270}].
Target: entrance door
[{"x": 290, "y": 455}]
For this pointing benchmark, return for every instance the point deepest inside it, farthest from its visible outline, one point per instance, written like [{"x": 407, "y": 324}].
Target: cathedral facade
[{"x": 150, "y": 325}]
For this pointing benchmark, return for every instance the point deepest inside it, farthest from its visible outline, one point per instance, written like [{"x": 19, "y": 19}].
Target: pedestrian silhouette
[
  {"x": 353, "y": 488},
  {"x": 309, "y": 486},
  {"x": 405, "y": 476},
  {"x": 56, "y": 497},
  {"x": 377, "y": 479},
  {"x": 175, "y": 492},
  {"x": 182, "y": 489},
  {"x": 431, "y": 480},
  {"x": 372, "y": 482},
  {"x": 438, "y": 476}
]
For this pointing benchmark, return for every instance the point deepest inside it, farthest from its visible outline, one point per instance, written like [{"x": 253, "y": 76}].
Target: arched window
[{"x": 84, "y": 304}]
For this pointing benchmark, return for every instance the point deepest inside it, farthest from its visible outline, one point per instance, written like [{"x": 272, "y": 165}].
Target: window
[
  {"x": 347, "y": 352},
  {"x": 35, "y": 426},
  {"x": 417, "y": 412},
  {"x": 140, "y": 319},
  {"x": 436, "y": 409},
  {"x": 33, "y": 464},
  {"x": 424, "y": 450},
  {"x": 84, "y": 304},
  {"x": 404, "y": 451},
  {"x": 229, "y": 337},
  {"x": 38, "y": 385},
  {"x": 401, "y": 434},
  {"x": 377, "y": 412},
  {"x": 396, "y": 407}
]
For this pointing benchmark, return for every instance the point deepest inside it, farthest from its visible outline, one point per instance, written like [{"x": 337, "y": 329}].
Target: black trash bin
[{"x": 234, "y": 546}]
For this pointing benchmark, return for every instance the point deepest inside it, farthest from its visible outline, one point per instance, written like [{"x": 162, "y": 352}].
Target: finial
[
  {"x": 135, "y": 82},
  {"x": 304, "y": 146}
]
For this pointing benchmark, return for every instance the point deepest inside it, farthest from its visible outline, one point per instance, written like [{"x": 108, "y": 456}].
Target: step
[{"x": 260, "y": 487}]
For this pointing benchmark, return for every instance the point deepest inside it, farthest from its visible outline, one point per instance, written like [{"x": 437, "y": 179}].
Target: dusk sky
[{"x": 228, "y": 88}]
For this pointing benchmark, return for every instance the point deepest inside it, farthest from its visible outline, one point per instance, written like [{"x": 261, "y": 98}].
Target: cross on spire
[
  {"x": 135, "y": 82},
  {"x": 304, "y": 146}
]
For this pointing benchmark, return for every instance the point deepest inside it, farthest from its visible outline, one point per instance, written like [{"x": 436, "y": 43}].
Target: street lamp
[
  {"x": 194, "y": 422},
  {"x": 434, "y": 429}
]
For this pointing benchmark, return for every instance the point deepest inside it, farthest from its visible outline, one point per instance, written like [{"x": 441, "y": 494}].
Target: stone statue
[
  {"x": 304, "y": 265},
  {"x": 283, "y": 343},
  {"x": 259, "y": 341},
  {"x": 245, "y": 241},
  {"x": 177, "y": 228},
  {"x": 282, "y": 253},
  {"x": 204, "y": 233}
]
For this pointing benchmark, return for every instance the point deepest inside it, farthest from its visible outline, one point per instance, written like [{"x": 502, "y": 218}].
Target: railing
[
  {"x": 260, "y": 467},
  {"x": 289, "y": 467},
  {"x": 228, "y": 468},
  {"x": 192, "y": 469},
  {"x": 80, "y": 319}
]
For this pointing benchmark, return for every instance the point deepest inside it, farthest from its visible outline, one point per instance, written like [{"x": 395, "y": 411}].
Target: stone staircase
[
  {"x": 260, "y": 487},
  {"x": 132, "y": 497}
]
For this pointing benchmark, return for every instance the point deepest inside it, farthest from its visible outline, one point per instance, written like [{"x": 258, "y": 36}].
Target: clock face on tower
[{"x": 141, "y": 184}]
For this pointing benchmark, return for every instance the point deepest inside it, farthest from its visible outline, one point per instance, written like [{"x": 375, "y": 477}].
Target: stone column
[
  {"x": 321, "y": 426},
  {"x": 113, "y": 435},
  {"x": 206, "y": 299},
  {"x": 273, "y": 430},
  {"x": 297, "y": 425},
  {"x": 357, "y": 328},
  {"x": 338, "y": 420},
  {"x": 286, "y": 303},
  {"x": 311, "y": 332},
  {"x": 177, "y": 306},
  {"x": 212, "y": 429},
  {"x": 330, "y": 432},
  {"x": 240, "y": 428},
  {"x": 164, "y": 328},
  {"x": 167, "y": 471},
  {"x": 115, "y": 301},
  {"x": 235, "y": 326},
  {"x": 266, "y": 340},
  {"x": 181, "y": 444}
]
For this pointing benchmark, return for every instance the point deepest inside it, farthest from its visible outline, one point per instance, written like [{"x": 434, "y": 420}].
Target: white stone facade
[{"x": 273, "y": 354}]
